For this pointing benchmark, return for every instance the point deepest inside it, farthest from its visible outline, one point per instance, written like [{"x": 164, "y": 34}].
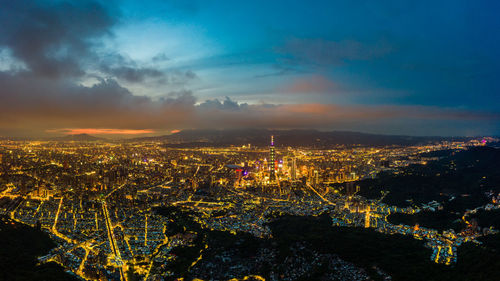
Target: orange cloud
[
  {"x": 174, "y": 131},
  {"x": 94, "y": 131}
]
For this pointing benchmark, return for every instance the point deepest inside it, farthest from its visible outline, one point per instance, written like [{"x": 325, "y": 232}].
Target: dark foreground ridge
[
  {"x": 20, "y": 245},
  {"x": 310, "y": 248},
  {"x": 460, "y": 180}
]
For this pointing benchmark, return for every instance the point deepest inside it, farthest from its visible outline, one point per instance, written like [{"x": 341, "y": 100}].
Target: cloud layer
[
  {"x": 57, "y": 75},
  {"x": 37, "y": 105},
  {"x": 53, "y": 40}
]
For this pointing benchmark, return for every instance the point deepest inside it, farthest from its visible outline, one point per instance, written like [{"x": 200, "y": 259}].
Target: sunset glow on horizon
[{"x": 95, "y": 131}]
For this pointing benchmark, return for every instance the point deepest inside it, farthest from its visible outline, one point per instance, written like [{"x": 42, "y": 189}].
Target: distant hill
[
  {"x": 78, "y": 137},
  {"x": 260, "y": 137},
  {"x": 468, "y": 175}
]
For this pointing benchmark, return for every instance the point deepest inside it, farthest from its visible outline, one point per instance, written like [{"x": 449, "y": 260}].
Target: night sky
[{"x": 130, "y": 68}]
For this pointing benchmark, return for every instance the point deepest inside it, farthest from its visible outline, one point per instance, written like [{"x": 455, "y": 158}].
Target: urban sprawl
[{"x": 97, "y": 199}]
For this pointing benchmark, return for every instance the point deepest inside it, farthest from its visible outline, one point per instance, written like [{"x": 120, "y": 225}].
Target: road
[
  {"x": 54, "y": 226},
  {"x": 112, "y": 241},
  {"x": 317, "y": 193},
  {"x": 115, "y": 189}
]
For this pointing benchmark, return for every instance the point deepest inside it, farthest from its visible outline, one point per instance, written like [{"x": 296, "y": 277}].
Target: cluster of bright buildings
[{"x": 97, "y": 199}]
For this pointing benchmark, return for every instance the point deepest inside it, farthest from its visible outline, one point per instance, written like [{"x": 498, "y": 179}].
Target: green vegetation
[
  {"x": 479, "y": 262},
  {"x": 439, "y": 220},
  {"x": 438, "y": 153},
  {"x": 402, "y": 257},
  {"x": 464, "y": 175},
  {"x": 180, "y": 220},
  {"x": 20, "y": 245},
  {"x": 488, "y": 218}
]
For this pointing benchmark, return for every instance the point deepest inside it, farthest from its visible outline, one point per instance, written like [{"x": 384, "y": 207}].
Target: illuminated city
[
  {"x": 249, "y": 140},
  {"x": 99, "y": 200}
]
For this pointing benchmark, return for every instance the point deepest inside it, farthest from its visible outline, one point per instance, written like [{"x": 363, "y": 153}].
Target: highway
[
  {"x": 112, "y": 241},
  {"x": 317, "y": 193},
  {"x": 54, "y": 226},
  {"x": 115, "y": 189}
]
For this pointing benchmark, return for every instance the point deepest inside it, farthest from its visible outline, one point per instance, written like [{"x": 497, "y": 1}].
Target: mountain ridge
[
  {"x": 78, "y": 137},
  {"x": 295, "y": 137}
]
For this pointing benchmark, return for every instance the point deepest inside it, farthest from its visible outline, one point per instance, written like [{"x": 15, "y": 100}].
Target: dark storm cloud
[
  {"x": 181, "y": 99},
  {"x": 58, "y": 40},
  {"x": 190, "y": 74},
  {"x": 132, "y": 74},
  {"x": 31, "y": 103},
  {"x": 160, "y": 57},
  {"x": 179, "y": 77},
  {"x": 123, "y": 68},
  {"x": 226, "y": 104},
  {"x": 58, "y": 45},
  {"x": 52, "y": 39}
]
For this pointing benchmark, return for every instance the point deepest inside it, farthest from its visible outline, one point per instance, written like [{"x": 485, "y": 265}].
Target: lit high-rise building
[
  {"x": 293, "y": 169},
  {"x": 367, "y": 217},
  {"x": 272, "y": 163},
  {"x": 315, "y": 177}
]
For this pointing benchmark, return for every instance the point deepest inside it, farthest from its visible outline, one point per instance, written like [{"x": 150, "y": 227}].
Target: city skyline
[
  {"x": 126, "y": 69},
  {"x": 144, "y": 210},
  {"x": 259, "y": 140}
]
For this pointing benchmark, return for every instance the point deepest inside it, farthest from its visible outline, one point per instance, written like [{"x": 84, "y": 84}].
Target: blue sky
[
  {"x": 424, "y": 53},
  {"x": 419, "y": 67}
]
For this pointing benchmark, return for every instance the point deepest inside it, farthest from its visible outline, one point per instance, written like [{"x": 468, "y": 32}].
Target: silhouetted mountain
[
  {"x": 78, "y": 137},
  {"x": 260, "y": 137},
  {"x": 468, "y": 175}
]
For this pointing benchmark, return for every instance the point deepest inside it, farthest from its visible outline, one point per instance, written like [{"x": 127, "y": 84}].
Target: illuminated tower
[
  {"x": 367, "y": 217},
  {"x": 315, "y": 177},
  {"x": 272, "y": 164}
]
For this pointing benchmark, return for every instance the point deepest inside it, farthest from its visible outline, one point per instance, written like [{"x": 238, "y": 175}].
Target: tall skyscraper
[
  {"x": 272, "y": 164},
  {"x": 367, "y": 217},
  {"x": 315, "y": 177},
  {"x": 293, "y": 169}
]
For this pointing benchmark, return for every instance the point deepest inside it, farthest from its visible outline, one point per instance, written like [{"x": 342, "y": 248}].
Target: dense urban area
[{"x": 143, "y": 210}]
